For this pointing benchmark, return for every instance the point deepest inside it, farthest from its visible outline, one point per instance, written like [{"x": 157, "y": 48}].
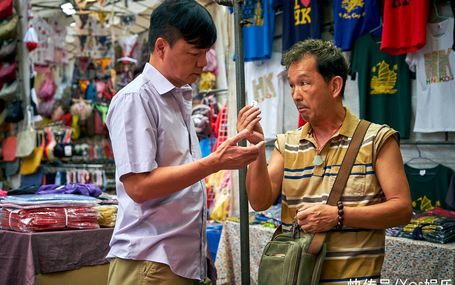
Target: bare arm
[
  {"x": 396, "y": 210},
  {"x": 263, "y": 183},
  {"x": 167, "y": 180}
]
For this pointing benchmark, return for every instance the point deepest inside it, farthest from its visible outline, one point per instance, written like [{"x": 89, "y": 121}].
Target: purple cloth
[
  {"x": 22, "y": 255},
  {"x": 82, "y": 189}
]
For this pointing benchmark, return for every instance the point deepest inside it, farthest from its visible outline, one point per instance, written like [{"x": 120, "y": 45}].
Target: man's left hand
[{"x": 315, "y": 218}]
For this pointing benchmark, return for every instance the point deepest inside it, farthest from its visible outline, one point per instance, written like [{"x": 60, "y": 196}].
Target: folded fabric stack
[
  {"x": 107, "y": 215},
  {"x": 432, "y": 228},
  {"x": 71, "y": 188},
  {"x": 28, "y": 213}
]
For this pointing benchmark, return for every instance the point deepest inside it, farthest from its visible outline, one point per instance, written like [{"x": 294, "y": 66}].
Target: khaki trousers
[{"x": 138, "y": 272}]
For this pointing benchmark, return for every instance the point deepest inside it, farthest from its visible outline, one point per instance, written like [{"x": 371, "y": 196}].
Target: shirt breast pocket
[{"x": 356, "y": 184}]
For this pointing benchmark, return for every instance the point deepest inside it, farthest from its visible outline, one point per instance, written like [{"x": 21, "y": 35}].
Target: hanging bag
[
  {"x": 31, "y": 163},
  {"x": 26, "y": 139},
  {"x": 296, "y": 257},
  {"x": 47, "y": 89}
]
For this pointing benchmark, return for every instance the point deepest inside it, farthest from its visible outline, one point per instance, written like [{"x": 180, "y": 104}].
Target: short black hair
[
  {"x": 187, "y": 19},
  {"x": 330, "y": 61}
]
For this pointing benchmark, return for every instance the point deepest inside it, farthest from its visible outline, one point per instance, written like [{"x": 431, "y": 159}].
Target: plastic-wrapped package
[{"x": 48, "y": 218}]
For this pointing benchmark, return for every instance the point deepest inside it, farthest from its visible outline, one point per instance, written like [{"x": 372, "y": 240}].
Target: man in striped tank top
[{"x": 305, "y": 162}]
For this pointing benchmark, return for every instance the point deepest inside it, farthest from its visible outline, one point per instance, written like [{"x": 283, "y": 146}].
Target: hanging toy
[{"x": 31, "y": 39}]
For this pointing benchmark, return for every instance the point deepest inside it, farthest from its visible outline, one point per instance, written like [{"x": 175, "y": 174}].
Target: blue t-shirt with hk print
[{"x": 301, "y": 20}]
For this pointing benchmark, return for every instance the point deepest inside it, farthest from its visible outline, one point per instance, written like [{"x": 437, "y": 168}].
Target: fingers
[
  {"x": 243, "y": 134},
  {"x": 248, "y": 117},
  {"x": 253, "y": 123},
  {"x": 260, "y": 144}
]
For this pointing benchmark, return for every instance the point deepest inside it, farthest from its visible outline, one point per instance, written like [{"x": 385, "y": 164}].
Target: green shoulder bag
[{"x": 286, "y": 260}]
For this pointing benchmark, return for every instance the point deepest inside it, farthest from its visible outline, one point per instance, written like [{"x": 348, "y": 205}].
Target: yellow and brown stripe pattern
[{"x": 352, "y": 253}]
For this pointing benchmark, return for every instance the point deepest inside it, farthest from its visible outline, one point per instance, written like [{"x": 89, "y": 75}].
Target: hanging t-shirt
[
  {"x": 353, "y": 19},
  {"x": 384, "y": 85},
  {"x": 261, "y": 84},
  {"x": 404, "y": 26},
  {"x": 428, "y": 187},
  {"x": 258, "y": 32},
  {"x": 301, "y": 20},
  {"x": 434, "y": 65}
]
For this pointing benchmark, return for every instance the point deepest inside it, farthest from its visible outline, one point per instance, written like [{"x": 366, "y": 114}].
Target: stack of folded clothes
[
  {"x": 29, "y": 213},
  {"x": 436, "y": 225}
]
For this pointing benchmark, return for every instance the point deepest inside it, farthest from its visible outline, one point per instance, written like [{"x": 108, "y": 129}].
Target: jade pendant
[{"x": 317, "y": 160}]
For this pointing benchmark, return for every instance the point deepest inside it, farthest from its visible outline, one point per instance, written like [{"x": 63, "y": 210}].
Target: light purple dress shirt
[{"x": 150, "y": 126}]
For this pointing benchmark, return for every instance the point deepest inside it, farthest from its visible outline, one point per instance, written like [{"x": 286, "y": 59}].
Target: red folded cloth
[{"x": 49, "y": 218}]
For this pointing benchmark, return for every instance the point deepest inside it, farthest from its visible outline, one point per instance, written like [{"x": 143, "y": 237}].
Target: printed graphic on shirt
[
  {"x": 425, "y": 204},
  {"x": 437, "y": 66},
  {"x": 385, "y": 80},
  {"x": 253, "y": 13},
  {"x": 263, "y": 87},
  {"x": 262, "y": 84},
  {"x": 302, "y": 12},
  {"x": 353, "y": 9}
]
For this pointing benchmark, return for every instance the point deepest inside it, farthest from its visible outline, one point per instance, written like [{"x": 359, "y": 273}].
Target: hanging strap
[{"x": 341, "y": 179}]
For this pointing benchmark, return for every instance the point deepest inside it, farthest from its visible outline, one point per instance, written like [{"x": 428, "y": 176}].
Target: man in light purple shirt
[{"x": 159, "y": 236}]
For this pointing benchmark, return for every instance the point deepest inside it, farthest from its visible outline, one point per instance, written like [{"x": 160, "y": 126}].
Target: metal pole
[{"x": 240, "y": 90}]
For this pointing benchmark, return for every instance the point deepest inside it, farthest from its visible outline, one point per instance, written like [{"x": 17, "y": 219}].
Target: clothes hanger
[
  {"x": 423, "y": 161},
  {"x": 378, "y": 27}
]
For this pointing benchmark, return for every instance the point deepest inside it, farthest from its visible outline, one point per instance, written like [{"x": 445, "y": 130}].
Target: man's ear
[
  {"x": 336, "y": 84},
  {"x": 160, "y": 47}
]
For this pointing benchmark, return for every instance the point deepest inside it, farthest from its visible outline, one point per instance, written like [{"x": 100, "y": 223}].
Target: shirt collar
[
  {"x": 347, "y": 128},
  {"x": 163, "y": 85}
]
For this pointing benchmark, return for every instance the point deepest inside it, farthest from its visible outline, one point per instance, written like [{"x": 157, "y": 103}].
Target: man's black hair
[
  {"x": 187, "y": 19},
  {"x": 330, "y": 61}
]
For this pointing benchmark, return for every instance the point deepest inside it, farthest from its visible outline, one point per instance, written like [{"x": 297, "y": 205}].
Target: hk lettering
[
  {"x": 263, "y": 88},
  {"x": 301, "y": 15}
]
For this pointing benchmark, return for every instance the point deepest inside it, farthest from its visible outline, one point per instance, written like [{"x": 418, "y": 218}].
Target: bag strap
[{"x": 341, "y": 179}]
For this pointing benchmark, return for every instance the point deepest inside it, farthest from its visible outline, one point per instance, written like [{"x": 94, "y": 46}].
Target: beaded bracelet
[{"x": 340, "y": 207}]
